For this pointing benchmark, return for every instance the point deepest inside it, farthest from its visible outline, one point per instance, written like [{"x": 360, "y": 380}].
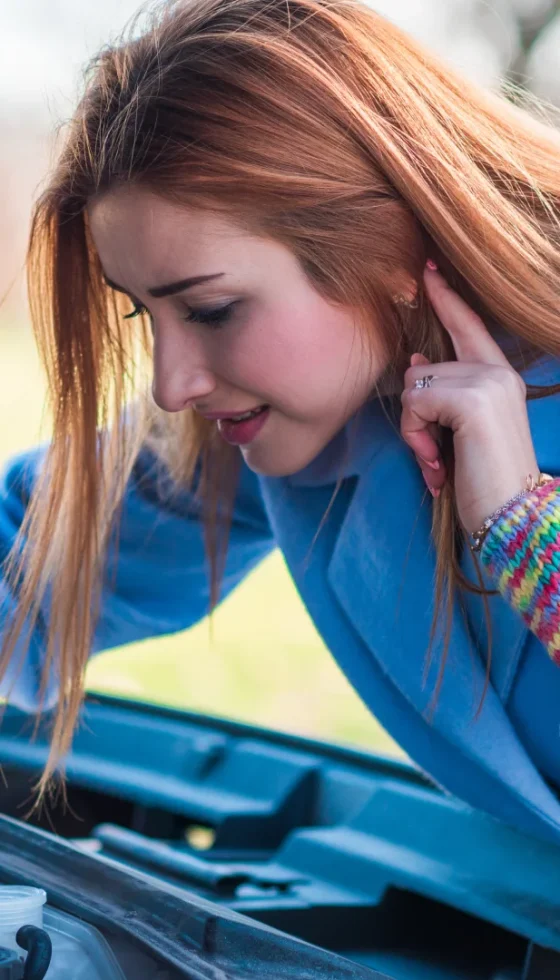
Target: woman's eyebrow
[{"x": 158, "y": 292}]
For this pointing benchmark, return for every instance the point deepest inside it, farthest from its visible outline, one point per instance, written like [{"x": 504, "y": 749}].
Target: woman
[{"x": 265, "y": 183}]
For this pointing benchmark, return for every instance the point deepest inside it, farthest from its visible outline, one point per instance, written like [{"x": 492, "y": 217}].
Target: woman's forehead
[
  {"x": 144, "y": 240},
  {"x": 141, "y": 207}
]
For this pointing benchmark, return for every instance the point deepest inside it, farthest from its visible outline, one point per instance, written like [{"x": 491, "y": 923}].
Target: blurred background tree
[{"x": 266, "y": 663}]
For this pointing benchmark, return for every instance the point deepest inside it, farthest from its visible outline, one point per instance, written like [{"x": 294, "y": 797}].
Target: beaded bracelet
[{"x": 479, "y": 536}]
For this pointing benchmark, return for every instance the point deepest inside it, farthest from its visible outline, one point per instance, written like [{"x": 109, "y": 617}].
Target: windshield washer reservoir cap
[{"x": 20, "y": 905}]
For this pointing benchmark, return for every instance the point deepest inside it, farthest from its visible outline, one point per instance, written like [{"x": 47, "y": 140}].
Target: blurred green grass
[{"x": 265, "y": 663}]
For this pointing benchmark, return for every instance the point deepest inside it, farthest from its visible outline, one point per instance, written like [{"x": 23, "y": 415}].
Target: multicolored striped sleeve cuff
[{"x": 522, "y": 554}]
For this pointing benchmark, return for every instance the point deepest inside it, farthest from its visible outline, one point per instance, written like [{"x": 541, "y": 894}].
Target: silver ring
[{"x": 426, "y": 381}]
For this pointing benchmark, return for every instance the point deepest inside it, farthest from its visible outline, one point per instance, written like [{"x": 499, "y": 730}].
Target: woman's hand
[{"x": 482, "y": 399}]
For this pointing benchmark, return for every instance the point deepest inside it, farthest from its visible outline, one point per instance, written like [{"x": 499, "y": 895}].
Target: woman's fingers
[
  {"x": 427, "y": 449},
  {"x": 471, "y": 339},
  {"x": 432, "y": 428},
  {"x": 473, "y": 345},
  {"x": 481, "y": 400}
]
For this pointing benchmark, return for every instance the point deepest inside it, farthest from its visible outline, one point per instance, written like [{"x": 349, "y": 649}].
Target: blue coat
[{"x": 367, "y": 583}]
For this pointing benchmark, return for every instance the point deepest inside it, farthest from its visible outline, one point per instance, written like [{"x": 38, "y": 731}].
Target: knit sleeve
[{"x": 522, "y": 554}]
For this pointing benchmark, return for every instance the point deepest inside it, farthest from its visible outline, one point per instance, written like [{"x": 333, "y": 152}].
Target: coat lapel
[{"x": 509, "y": 633}]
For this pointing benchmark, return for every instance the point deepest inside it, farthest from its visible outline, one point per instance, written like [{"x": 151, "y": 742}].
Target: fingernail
[
  {"x": 433, "y": 491},
  {"x": 431, "y": 265},
  {"x": 433, "y": 463}
]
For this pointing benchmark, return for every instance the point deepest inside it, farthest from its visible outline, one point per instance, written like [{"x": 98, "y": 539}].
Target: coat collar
[{"x": 352, "y": 450}]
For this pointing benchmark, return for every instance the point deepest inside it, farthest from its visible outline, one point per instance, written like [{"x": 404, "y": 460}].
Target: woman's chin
[{"x": 275, "y": 460}]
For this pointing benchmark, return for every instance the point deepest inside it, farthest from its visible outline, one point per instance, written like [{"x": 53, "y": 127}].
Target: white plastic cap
[{"x": 20, "y": 905}]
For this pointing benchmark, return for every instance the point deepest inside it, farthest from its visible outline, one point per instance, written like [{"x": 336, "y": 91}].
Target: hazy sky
[{"x": 45, "y": 43}]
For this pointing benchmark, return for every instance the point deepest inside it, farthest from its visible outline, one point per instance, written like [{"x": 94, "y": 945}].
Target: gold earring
[{"x": 403, "y": 301}]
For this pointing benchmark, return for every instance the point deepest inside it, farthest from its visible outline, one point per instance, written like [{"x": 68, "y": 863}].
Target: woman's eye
[
  {"x": 212, "y": 318},
  {"x": 138, "y": 310}
]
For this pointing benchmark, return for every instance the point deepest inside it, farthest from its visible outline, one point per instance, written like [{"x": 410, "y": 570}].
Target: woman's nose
[{"x": 180, "y": 373}]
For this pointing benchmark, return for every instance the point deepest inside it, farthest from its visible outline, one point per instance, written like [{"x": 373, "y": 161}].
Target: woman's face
[{"x": 257, "y": 334}]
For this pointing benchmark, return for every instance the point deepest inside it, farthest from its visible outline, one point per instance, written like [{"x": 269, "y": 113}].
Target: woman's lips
[
  {"x": 242, "y": 433},
  {"x": 218, "y": 416}
]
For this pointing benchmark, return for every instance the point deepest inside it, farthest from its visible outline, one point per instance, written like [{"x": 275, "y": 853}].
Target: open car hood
[{"x": 323, "y": 861}]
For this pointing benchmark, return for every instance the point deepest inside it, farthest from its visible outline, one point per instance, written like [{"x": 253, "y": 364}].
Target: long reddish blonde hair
[{"x": 317, "y": 123}]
